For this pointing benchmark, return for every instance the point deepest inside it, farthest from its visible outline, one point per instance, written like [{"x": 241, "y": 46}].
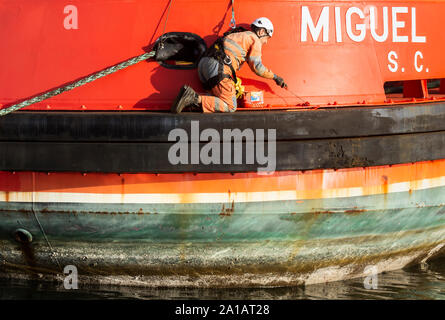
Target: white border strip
[{"x": 176, "y": 198}]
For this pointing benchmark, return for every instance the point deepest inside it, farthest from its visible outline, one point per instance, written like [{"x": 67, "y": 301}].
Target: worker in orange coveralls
[{"x": 217, "y": 69}]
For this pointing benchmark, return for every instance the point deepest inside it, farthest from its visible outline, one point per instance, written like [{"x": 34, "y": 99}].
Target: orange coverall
[{"x": 240, "y": 47}]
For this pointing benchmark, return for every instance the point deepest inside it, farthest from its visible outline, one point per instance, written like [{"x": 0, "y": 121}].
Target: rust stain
[
  {"x": 309, "y": 220},
  {"x": 385, "y": 190},
  {"x": 227, "y": 211},
  {"x": 123, "y": 190},
  {"x": 7, "y": 196},
  {"x": 385, "y": 184},
  {"x": 355, "y": 211},
  {"x": 293, "y": 213},
  {"x": 141, "y": 211},
  {"x": 46, "y": 210},
  {"x": 323, "y": 212}
]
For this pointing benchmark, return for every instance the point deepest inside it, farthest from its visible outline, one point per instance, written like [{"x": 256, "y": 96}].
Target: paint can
[{"x": 253, "y": 99}]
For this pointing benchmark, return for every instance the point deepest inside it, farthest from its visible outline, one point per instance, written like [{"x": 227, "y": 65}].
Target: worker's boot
[
  {"x": 194, "y": 108},
  {"x": 186, "y": 97}
]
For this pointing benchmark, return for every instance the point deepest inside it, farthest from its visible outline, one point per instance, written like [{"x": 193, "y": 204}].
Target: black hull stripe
[
  {"x": 153, "y": 157},
  {"x": 155, "y": 127}
]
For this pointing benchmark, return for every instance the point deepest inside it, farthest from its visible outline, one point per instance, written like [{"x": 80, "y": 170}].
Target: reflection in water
[{"x": 416, "y": 282}]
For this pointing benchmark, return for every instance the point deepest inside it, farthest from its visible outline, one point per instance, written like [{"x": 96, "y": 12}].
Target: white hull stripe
[{"x": 172, "y": 198}]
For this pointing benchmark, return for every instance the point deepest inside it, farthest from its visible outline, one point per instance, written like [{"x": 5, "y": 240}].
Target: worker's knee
[
  {"x": 234, "y": 105},
  {"x": 225, "y": 105}
]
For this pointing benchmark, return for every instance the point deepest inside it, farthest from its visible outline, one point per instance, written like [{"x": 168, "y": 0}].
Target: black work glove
[{"x": 279, "y": 81}]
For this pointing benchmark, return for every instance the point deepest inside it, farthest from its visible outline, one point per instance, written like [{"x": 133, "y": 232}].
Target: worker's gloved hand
[{"x": 280, "y": 81}]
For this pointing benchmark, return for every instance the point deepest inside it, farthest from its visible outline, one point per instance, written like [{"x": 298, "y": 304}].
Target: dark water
[{"x": 416, "y": 282}]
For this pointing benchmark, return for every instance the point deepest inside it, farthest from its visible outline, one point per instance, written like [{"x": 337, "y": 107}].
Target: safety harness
[{"x": 216, "y": 51}]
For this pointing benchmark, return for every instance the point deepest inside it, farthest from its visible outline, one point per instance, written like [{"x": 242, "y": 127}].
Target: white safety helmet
[{"x": 265, "y": 23}]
